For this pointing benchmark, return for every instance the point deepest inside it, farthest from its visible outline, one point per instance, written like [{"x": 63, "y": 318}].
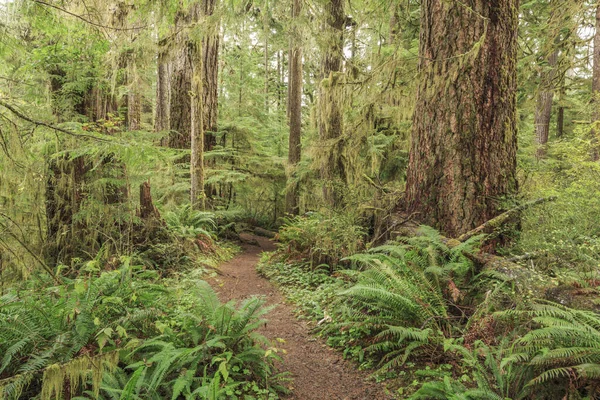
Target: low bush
[{"x": 322, "y": 239}]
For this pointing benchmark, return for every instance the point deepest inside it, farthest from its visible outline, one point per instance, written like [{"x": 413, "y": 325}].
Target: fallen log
[
  {"x": 265, "y": 233},
  {"x": 493, "y": 224}
]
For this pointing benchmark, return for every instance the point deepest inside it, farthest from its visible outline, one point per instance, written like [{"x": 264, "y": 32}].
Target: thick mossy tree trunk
[
  {"x": 65, "y": 193},
  {"x": 596, "y": 90},
  {"x": 462, "y": 158},
  {"x": 331, "y": 122},
  {"x": 543, "y": 109},
  {"x": 134, "y": 96},
  {"x": 295, "y": 112}
]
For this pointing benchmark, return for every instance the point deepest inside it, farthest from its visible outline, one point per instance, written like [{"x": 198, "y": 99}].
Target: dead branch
[{"x": 496, "y": 222}]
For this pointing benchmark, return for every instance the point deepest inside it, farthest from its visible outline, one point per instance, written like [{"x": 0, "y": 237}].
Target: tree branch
[
  {"x": 87, "y": 20},
  {"x": 41, "y": 123}
]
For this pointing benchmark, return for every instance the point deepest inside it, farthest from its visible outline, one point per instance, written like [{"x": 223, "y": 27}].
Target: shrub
[{"x": 322, "y": 239}]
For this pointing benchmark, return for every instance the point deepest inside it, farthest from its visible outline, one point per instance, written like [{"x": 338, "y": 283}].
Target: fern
[
  {"x": 405, "y": 293},
  {"x": 565, "y": 344}
]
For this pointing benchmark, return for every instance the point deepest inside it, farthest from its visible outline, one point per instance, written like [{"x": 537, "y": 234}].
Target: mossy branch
[
  {"x": 496, "y": 222},
  {"x": 44, "y": 124}
]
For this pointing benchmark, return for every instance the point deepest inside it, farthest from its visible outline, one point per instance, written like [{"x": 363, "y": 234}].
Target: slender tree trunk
[
  {"x": 161, "y": 121},
  {"x": 331, "y": 119},
  {"x": 462, "y": 159},
  {"x": 596, "y": 91},
  {"x": 394, "y": 24},
  {"x": 210, "y": 74},
  {"x": 197, "y": 193},
  {"x": 543, "y": 110},
  {"x": 295, "y": 112},
  {"x": 134, "y": 96},
  {"x": 266, "y": 33},
  {"x": 560, "y": 122}
]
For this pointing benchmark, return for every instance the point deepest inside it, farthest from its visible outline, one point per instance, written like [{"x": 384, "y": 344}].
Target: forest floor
[{"x": 318, "y": 372}]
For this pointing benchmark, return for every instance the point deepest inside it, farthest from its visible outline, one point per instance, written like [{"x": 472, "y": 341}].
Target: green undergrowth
[
  {"x": 423, "y": 317},
  {"x": 140, "y": 326}
]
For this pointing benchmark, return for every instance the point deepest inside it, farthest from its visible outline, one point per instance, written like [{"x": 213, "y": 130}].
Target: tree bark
[
  {"x": 134, "y": 96},
  {"x": 161, "y": 121},
  {"x": 543, "y": 110},
  {"x": 560, "y": 122},
  {"x": 462, "y": 158},
  {"x": 596, "y": 91},
  {"x": 197, "y": 194},
  {"x": 295, "y": 112},
  {"x": 210, "y": 74},
  {"x": 331, "y": 119},
  {"x": 181, "y": 83}
]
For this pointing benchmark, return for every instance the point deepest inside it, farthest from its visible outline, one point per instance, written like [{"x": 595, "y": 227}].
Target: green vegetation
[
  {"x": 421, "y": 314},
  {"x": 429, "y": 169}
]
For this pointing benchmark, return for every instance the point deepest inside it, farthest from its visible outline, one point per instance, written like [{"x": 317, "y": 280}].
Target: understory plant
[
  {"x": 408, "y": 296},
  {"x": 322, "y": 239},
  {"x": 129, "y": 334}
]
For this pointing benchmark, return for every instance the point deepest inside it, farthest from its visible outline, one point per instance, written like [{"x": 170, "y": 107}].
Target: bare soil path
[{"x": 318, "y": 372}]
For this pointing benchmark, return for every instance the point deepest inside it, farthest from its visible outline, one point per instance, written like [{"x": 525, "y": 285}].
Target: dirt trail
[{"x": 318, "y": 372}]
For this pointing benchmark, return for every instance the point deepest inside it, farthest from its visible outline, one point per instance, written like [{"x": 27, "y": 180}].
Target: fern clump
[
  {"x": 563, "y": 346},
  {"x": 408, "y": 296},
  {"x": 129, "y": 331}
]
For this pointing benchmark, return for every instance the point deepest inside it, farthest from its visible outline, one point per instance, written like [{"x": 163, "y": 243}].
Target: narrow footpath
[{"x": 318, "y": 372}]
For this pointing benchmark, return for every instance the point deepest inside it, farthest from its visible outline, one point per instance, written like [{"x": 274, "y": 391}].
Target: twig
[{"x": 87, "y": 20}]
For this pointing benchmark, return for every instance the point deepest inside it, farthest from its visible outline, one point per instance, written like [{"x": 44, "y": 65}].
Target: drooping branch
[
  {"x": 87, "y": 21},
  {"x": 47, "y": 125}
]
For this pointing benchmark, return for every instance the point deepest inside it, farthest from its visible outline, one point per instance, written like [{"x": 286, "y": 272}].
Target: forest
[{"x": 300, "y": 199}]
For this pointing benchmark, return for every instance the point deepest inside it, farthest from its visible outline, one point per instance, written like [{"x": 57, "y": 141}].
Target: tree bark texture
[
  {"x": 331, "y": 118},
  {"x": 134, "y": 97},
  {"x": 181, "y": 83},
  {"x": 543, "y": 109},
  {"x": 210, "y": 71},
  {"x": 163, "y": 89},
  {"x": 462, "y": 158},
  {"x": 197, "y": 195},
  {"x": 295, "y": 112}
]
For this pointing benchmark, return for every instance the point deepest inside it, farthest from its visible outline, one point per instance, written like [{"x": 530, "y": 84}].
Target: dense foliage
[{"x": 136, "y": 136}]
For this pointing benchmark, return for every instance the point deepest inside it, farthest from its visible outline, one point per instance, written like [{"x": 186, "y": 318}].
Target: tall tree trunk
[
  {"x": 560, "y": 122},
  {"x": 596, "y": 90},
  {"x": 181, "y": 83},
  {"x": 295, "y": 112},
  {"x": 210, "y": 74},
  {"x": 543, "y": 110},
  {"x": 266, "y": 32},
  {"x": 331, "y": 119},
  {"x": 161, "y": 120},
  {"x": 394, "y": 24},
  {"x": 197, "y": 195},
  {"x": 134, "y": 96},
  {"x": 462, "y": 159}
]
